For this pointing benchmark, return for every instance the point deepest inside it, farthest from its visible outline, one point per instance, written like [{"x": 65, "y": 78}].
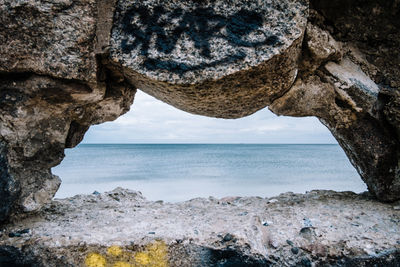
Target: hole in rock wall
[{"x": 171, "y": 155}]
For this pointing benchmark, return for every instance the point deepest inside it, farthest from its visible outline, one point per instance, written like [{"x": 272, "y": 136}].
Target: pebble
[
  {"x": 396, "y": 207},
  {"x": 18, "y": 233},
  {"x": 307, "y": 233},
  {"x": 152, "y": 233},
  {"x": 267, "y": 223},
  {"x": 228, "y": 237},
  {"x": 306, "y": 262},
  {"x": 24, "y": 231},
  {"x": 273, "y": 243},
  {"x": 305, "y": 230},
  {"x": 14, "y": 234},
  {"x": 294, "y": 250},
  {"x": 290, "y": 243}
]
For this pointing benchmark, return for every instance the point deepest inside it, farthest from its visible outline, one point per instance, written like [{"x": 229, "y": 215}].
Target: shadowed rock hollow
[{"x": 67, "y": 65}]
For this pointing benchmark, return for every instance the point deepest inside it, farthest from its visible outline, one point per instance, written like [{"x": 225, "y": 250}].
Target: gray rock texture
[
  {"x": 122, "y": 228},
  {"x": 40, "y": 117},
  {"x": 344, "y": 82},
  {"x": 53, "y": 87},
  {"x": 215, "y": 58},
  {"x": 66, "y": 65},
  {"x": 49, "y": 38}
]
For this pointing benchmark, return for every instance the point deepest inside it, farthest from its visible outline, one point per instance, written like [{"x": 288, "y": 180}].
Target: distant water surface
[{"x": 176, "y": 172}]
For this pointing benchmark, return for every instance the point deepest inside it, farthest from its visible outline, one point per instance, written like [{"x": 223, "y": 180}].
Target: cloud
[{"x": 152, "y": 121}]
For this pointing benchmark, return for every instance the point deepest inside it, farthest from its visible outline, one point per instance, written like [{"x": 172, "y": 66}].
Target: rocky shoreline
[{"x": 122, "y": 228}]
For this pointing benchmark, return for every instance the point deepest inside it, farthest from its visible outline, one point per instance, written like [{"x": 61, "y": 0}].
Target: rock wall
[
  {"x": 344, "y": 82},
  {"x": 69, "y": 64}
]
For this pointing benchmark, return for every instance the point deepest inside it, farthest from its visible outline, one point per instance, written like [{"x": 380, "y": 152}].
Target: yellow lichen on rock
[
  {"x": 122, "y": 264},
  {"x": 114, "y": 251},
  {"x": 142, "y": 258},
  {"x": 95, "y": 260},
  {"x": 153, "y": 255}
]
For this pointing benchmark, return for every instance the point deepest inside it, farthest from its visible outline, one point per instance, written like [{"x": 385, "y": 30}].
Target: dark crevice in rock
[
  {"x": 342, "y": 104},
  {"x": 389, "y": 258},
  {"x": 59, "y": 90},
  {"x": 75, "y": 135},
  {"x": 231, "y": 258},
  {"x": 9, "y": 188},
  {"x": 14, "y": 257}
]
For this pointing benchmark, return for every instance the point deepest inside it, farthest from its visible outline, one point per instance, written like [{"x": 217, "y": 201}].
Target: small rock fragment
[
  {"x": 16, "y": 234},
  {"x": 267, "y": 223},
  {"x": 306, "y": 262},
  {"x": 228, "y": 237},
  {"x": 294, "y": 250}
]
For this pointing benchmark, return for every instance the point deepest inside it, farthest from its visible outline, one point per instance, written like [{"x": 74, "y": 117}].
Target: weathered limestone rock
[
  {"x": 53, "y": 87},
  {"x": 69, "y": 64},
  {"x": 49, "y": 38},
  {"x": 216, "y": 58},
  {"x": 40, "y": 117},
  {"x": 66, "y": 65},
  {"x": 349, "y": 96},
  {"x": 122, "y": 228}
]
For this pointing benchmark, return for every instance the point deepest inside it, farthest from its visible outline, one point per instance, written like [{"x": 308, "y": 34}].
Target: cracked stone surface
[
  {"x": 216, "y": 58},
  {"x": 317, "y": 228}
]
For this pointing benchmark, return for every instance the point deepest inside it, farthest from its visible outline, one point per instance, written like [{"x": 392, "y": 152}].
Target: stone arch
[{"x": 81, "y": 63}]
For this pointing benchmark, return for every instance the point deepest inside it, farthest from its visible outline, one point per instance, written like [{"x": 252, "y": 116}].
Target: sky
[{"x": 152, "y": 121}]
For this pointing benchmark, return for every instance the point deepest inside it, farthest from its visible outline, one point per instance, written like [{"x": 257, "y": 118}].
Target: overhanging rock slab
[{"x": 215, "y": 58}]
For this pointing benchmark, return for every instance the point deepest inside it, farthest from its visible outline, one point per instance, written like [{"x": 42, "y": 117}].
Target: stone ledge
[{"x": 122, "y": 228}]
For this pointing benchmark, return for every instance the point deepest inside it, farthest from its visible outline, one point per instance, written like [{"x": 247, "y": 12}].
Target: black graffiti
[{"x": 140, "y": 23}]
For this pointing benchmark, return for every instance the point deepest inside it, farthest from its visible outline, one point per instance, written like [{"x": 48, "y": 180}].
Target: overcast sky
[{"x": 152, "y": 121}]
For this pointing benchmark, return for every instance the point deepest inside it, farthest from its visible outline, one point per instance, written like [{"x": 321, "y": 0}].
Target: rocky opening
[{"x": 323, "y": 61}]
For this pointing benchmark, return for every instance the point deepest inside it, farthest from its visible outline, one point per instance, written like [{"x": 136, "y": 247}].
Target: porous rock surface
[
  {"x": 215, "y": 58},
  {"x": 66, "y": 65},
  {"x": 344, "y": 83},
  {"x": 122, "y": 228},
  {"x": 53, "y": 87}
]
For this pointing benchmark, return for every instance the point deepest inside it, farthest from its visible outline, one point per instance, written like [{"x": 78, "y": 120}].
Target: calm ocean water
[{"x": 176, "y": 172}]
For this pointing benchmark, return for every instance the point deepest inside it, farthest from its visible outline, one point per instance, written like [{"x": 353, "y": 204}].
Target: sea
[{"x": 179, "y": 172}]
